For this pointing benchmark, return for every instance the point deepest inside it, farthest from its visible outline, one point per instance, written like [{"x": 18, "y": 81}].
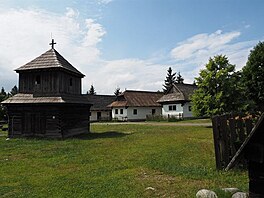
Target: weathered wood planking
[{"x": 230, "y": 131}]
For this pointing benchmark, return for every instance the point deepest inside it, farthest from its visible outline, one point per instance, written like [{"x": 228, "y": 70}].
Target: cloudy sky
[{"x": 128, "y": 43}]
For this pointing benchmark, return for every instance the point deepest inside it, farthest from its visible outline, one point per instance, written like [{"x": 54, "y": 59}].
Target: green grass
[{"x": 115, "y": 161}]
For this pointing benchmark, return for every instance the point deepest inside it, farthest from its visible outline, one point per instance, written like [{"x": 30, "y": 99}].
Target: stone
[
  {"x": 240, "y": 195},
  {"x": 230, "y": 190},
  {"x": 150, "y": 188},
  {"x": 204, "y": 193}
]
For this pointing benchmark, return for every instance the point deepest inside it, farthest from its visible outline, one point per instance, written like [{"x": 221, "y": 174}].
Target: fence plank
[
  {"x": 230, "y": 132},
  {"x": 216, "y": 142}
]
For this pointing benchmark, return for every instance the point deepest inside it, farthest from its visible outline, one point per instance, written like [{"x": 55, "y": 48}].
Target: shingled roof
[
  {"x": 29, "y": 99},
  {"x": 100, "y": 102},
  {"x": 50, "y": 59},
  {"x": 178, "y": 92},
  {"x": 131, "y": 98}
]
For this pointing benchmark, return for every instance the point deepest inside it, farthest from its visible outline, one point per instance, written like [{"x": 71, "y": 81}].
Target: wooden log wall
[
  {"x": 230, "y": 131},
  {"x": 51, "y": 83}
]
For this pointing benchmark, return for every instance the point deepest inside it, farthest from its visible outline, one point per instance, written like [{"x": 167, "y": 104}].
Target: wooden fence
[{"x": 230, "y": 131}]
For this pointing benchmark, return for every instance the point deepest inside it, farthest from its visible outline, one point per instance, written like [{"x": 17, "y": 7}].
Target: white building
[
  {"x": 100, "y": 110},
  {"x": 176, "y": 101},
  {"x": 136, "y": 105}
]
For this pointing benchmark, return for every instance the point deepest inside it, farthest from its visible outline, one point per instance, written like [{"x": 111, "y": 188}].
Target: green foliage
[
  {"x": 115, "y": 160},
  {"x": 218, "y": 91},
  {"x": 117, "y": 91},
  {"x": 179, "y": 78},
  {"x": 3, "y": 96},
  {"x": 253, "y": 76},
  {"x": 92, "y": 90},
  {"x": 14, "y": 91},
  {"x": 170, "y": 79}
]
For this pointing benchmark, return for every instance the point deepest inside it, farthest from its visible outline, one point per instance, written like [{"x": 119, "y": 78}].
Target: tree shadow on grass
[{"x": 107, "y": 134}]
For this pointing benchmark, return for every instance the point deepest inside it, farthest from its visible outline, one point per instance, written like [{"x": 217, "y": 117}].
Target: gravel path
[{"x": 156, "y": 123}]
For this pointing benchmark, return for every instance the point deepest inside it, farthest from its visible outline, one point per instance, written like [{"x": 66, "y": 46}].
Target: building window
[
  {"x": 134, "y": 111},
  {"x": 172, "y": 107},
  {"x": 116, "y": 111},
  {"x": 70, "y": 81},
  {"x": 37, "y": 82},
  {"x": 121, "y": 111},
  {"x": 153, "y": 112},
  {"x": 190, "y": 108}
]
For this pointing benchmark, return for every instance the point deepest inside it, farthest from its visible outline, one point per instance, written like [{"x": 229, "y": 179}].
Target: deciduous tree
[
  {"x": 217, "y": 91},
  {"x": 253, "y": 76}
]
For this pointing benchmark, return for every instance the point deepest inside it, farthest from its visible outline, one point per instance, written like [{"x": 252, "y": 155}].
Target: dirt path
[{"x": 156, "y": 123}]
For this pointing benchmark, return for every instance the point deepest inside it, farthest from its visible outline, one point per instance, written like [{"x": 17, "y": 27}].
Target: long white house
[
  {"x": 177, "y": 102},
  {"x": 136, "y": 105}
]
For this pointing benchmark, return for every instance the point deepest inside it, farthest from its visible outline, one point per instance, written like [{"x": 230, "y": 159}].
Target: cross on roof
[{"x": 52, "y": 44}]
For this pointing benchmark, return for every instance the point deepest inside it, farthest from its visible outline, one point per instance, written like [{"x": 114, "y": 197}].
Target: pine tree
[
  {"x": 92, "y": 90},
  {"x": 179, "y": 78},
  {"x": 170, "y": 79},
  {"x": 117, "y": 91},
  {"x": 14, "y": 91}
]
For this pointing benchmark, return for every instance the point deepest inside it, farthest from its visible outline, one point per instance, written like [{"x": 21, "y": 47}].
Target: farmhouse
[
  {"x": 136, "y": 105},
  {"x": 177, "y": 102},
  {"x": 100, "y": 109},
  {"x": 49, "y": 102}
]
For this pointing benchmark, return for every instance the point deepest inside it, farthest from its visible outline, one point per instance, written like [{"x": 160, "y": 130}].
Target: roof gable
[
  {"x": 49, "y": 60},
  {"x": 178, "y": 92}
]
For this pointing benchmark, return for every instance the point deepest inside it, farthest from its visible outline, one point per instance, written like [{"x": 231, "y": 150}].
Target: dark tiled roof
[
  {"x": 178, "y": 92},
  {"x": 29, "y": 99},
  {"x": 100, "y": 102},
  {"x": 50, "y": 59},
  {"x": 131, "y": 98}
]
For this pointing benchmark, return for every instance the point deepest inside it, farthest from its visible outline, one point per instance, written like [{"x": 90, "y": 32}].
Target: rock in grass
[
  {"x": 150, "y": 188},
  {"x": 240, "y": 195},
  {"x": 230, "y": 190},
  {"x": 204, "y": 193}
]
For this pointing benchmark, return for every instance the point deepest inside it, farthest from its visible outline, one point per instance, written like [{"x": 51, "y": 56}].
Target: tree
[
  {"x": 92, "y": 90},
  {"x": 253, "y": 76},
  {"x": 14, "y": 91},
  {"x": 217, "y": 91},
  {"x": 179, "y": 78},
  {"x": 3, "y": 96},
  {"x": 117, "y": 91},
  {"x": 170, "y": 79}
]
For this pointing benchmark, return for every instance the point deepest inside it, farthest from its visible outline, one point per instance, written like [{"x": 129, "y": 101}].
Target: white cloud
[
  {"x": 94, "y": 34},
  {"x": 104, "y": 1},
  {"x": 133, "y": 74},
  {"x": 196, "y": 50},
  {"x": 25, "y": 34}
]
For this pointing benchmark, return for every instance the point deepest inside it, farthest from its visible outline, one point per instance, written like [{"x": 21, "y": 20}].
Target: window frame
[{"x": 172, "y": 107}]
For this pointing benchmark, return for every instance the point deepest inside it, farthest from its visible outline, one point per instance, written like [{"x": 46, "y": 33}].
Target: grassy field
[{"x": 115, "y": 161}]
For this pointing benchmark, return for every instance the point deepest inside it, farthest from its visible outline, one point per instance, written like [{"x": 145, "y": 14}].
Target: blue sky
[{"x": 129, "y": 43}]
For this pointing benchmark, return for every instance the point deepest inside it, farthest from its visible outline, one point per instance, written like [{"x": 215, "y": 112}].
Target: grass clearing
[{"x": 115, "y": 161}]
